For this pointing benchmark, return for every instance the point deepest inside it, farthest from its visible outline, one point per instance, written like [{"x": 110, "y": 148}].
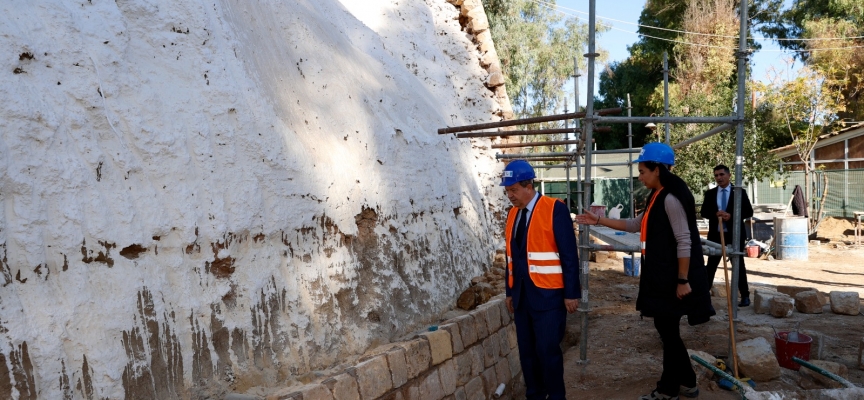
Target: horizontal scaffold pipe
[
  {"x": 713, "y": 131},
  {"x": 524, "y": 121},
  {"x": 525, "y": 132},
  {"x": 535, "y": 144},
  {"x": 671, "y": 120},
  {"x": 615, "y": 164},
  {"x": 526, "y": 156},
  {"x": 616, "y": 151}
]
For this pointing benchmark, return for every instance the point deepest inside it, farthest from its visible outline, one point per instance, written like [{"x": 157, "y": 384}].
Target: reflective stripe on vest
[{"x": 544, "y": 265}]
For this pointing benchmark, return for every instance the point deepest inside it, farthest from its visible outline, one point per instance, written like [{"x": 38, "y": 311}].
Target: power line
[{"x": 547, "y": 4}]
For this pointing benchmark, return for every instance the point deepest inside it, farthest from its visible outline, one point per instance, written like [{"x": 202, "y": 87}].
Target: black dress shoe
[{"x": 744, "y": 302}]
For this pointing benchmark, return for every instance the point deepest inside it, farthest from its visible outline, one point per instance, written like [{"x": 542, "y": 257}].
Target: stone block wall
[{"x": 467, "y": 357}]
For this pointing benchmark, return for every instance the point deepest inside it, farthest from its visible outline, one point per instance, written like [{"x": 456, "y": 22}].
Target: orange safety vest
[{"x": 544, "y": 265}]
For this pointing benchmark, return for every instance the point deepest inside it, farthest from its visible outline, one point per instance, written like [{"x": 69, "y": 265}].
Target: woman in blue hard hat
[{"x": 673, "y": 281}]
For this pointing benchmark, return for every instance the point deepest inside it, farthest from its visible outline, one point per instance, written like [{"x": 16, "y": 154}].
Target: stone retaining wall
[{"x": 468, "y": 357}]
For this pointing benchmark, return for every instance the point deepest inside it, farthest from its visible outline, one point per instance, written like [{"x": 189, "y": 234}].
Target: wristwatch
[{"x": 682, "y": 281}]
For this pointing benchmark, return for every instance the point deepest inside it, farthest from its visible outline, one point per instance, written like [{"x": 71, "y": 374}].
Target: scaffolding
[{"x": 589, "y": 119}]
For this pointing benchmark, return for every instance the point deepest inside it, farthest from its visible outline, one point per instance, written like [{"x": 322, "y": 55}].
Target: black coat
[{"x": 709, "y": 211}]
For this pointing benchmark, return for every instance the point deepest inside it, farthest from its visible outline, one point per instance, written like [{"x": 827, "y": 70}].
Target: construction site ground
[{"x": 625, "y": 354}]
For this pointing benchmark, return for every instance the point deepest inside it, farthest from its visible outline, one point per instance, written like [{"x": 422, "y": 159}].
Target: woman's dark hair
[{"x": 676, "y": 186}]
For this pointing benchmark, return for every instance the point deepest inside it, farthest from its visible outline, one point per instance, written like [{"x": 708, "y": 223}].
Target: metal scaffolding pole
[
  {"x": 527, "y": 156},
  {"x": 523, "y": 121},
  {"x": 535, "y": 144},
  {"x": 739, "y": 162},
  {"x": 569, "y": 161},
  {"x": 525, "y": 132},
  {"x": 657, "y": 120},
  {"x": 630, "y": 168},
  {"x": 585, "y": 250},
  {"x": 666, "y": 92},
  {"x": 578, "y": 128},
  {"x": 713, "y": 131}
]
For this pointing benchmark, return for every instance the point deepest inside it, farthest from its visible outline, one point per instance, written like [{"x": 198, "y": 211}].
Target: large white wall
[{"x": 201, "y": 196}]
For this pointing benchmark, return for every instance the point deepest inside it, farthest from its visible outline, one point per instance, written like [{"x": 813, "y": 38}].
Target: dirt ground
[{"x": 625, "y": 355}]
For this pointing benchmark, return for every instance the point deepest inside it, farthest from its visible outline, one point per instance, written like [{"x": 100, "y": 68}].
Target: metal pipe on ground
[{"x": 525, "y": 121}]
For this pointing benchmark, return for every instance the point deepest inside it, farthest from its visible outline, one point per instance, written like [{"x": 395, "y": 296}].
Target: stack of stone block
[
  {"x": 467, "y": 357},
  {"x": 806, "y": 300}
]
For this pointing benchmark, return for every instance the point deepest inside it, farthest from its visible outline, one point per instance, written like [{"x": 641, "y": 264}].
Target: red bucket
[
  {"x": 752, "y": 251},
  {"x": 786, "y": 349}
]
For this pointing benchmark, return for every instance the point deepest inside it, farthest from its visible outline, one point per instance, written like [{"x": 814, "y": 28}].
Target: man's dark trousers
[{"x": 714, "y": 262}]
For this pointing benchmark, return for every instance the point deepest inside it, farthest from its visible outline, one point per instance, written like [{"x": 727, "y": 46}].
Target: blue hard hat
[
  {"x": 517, "y": 171},
  {"x": 657, "y": 152}
]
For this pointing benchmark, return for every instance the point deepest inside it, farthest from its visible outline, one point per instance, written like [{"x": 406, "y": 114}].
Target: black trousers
[
  {"x": 677, "y": 369},
  {"x": 714, "y": 261}
]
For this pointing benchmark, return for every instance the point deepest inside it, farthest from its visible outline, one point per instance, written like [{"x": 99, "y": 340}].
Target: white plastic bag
[{"x": 615, "y": 212}]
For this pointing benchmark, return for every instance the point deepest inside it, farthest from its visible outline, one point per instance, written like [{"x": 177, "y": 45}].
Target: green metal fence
[{"x": 845, "y": 190}]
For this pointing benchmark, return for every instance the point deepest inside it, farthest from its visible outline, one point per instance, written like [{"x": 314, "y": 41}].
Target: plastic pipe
[
  {"x": 825, "y": 373},
  {"x": 738, "y": 384}
]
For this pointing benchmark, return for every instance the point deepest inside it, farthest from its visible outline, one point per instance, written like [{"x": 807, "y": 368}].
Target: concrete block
[
  {"x": 515, "y": 366},
  {"x": 493, "y": 316},
  {"x": 781, "y": 306},
  {"x": 808, "y": 302},
  {"x": 430, "y": 388},
  {"x": 791, "y": 291},
  {"x": 502, "y": 371},
  {"x": 845, "y": 303},
  {"x": 480, "y": 324},
  {"x": 448, "y": 374},
  {"x": 455, "y": 336},
  {"x": 440, "y": 346},
  {"x": 343, "y": 387},
  {"x": 762, "y": 301},
  {"x": 490, "y": 380},
  {"x": 474, "y": 389},
  {"x": 373, "y": 377},
  {"x": 824, "y": 381},
  {"x": 417, "y": 357},
  {"x": 463, "y": 368},
  {"x": 757, "y": 360},
  {"x": 477, "y": 363},
  {"x": 398, "y": 366},
  {"x": 468, "y": 329},
  {"x": 490, "y": 351}
]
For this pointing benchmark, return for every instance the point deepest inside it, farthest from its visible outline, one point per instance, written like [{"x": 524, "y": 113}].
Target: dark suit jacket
[
  {"x": 547, "y": 299},
  {"x": 709, "y": 211}
]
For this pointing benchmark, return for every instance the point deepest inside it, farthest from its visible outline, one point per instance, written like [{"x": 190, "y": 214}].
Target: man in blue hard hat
[{"x": 542, "y": 279}]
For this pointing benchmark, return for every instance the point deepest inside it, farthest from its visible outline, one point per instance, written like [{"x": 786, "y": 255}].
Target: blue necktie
[
  {"x": 520, "y": 228},
  {"x": 724, "y": 200}
]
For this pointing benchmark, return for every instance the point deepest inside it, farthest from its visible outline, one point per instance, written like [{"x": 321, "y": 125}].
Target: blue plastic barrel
[{"x": 790, "y": 235}]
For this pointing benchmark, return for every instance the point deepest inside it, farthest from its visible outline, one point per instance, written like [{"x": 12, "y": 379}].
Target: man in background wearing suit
[
  {"x": 542, "y": 279},
  {"x": 720, "y": 202}
]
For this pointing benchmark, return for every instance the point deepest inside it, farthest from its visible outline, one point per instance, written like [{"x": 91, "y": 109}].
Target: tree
[
  {"x": 537, "y": 47},
  {"x": 808, "y": 105}
]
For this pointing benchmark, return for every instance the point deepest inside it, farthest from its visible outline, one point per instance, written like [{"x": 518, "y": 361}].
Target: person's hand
[
  {"x": 683, "y": 290},
  {"x": 571, "y": 305},
  {"x": 724, "y": 215},
  {"x": 587, "y": 219},
  {"x": 508, "y": 301}
]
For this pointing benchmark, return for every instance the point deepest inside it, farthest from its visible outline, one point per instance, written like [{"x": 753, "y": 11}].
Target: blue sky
[{"x": 615, "y": 41}]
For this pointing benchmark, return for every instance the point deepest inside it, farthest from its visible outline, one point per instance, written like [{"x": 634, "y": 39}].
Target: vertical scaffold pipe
[{"x": 666, "y": 93}]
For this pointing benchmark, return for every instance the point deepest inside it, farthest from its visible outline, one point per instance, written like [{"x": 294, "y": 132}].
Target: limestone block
[
  {"x": 468, "y": 299},
  {"x": 719, "y": 289},
  {"x": 478, "y": 21},
  {"x": 781, "y": 306},
  {"x": 448, "y": 374},
  {"x": 493, "y": 316},
  {"x": 468, "y": 329},
  {"x": 832, "y": 367},
  {"x": 757, "y": 360},
  {"x": 483, "y": 37},
  {"x": 791, "y": 291},
  {"x": 470, "y": 5},
  {"x": 459, "y": 394},
  {"x": 417, "y": 356},
  {"x": 463, "y": 368},
  {"x": 490, "y": 380},
  {"x": 701, "y": 371},
  {"x": 511, "y": 336},
  {"x": 495, "y": 79},
  {"x": 474, "y": 389},
  {"x": 515, "y": 366},
  {"x": 846, "y": 303},
  {"x": 861, "y": 354},
  {"x": 502, "y": 371},
  {"x": 373, "y": 377},
  {"x": 455, "y": 336},
  {"x": 505, "y": 314},
  {"x": 480, "y": 324},
  {"x": 315, "y": 391},
  {"x": 808, "y": 302},
  {"x": 430, "y": 388},
  {"x": 343, "y": 387},
  {"x": 394, "y": 395},
  {"x": 490, "y": 351},
  {"x": 477, "y": 357},
  {"x": 762, "y": 301},
  {"x": 398, "y": 366},
  {"x": 439, "y": 345},
  {"x": 489, "y": 58},
  {"x": 503, "y": 343}
]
